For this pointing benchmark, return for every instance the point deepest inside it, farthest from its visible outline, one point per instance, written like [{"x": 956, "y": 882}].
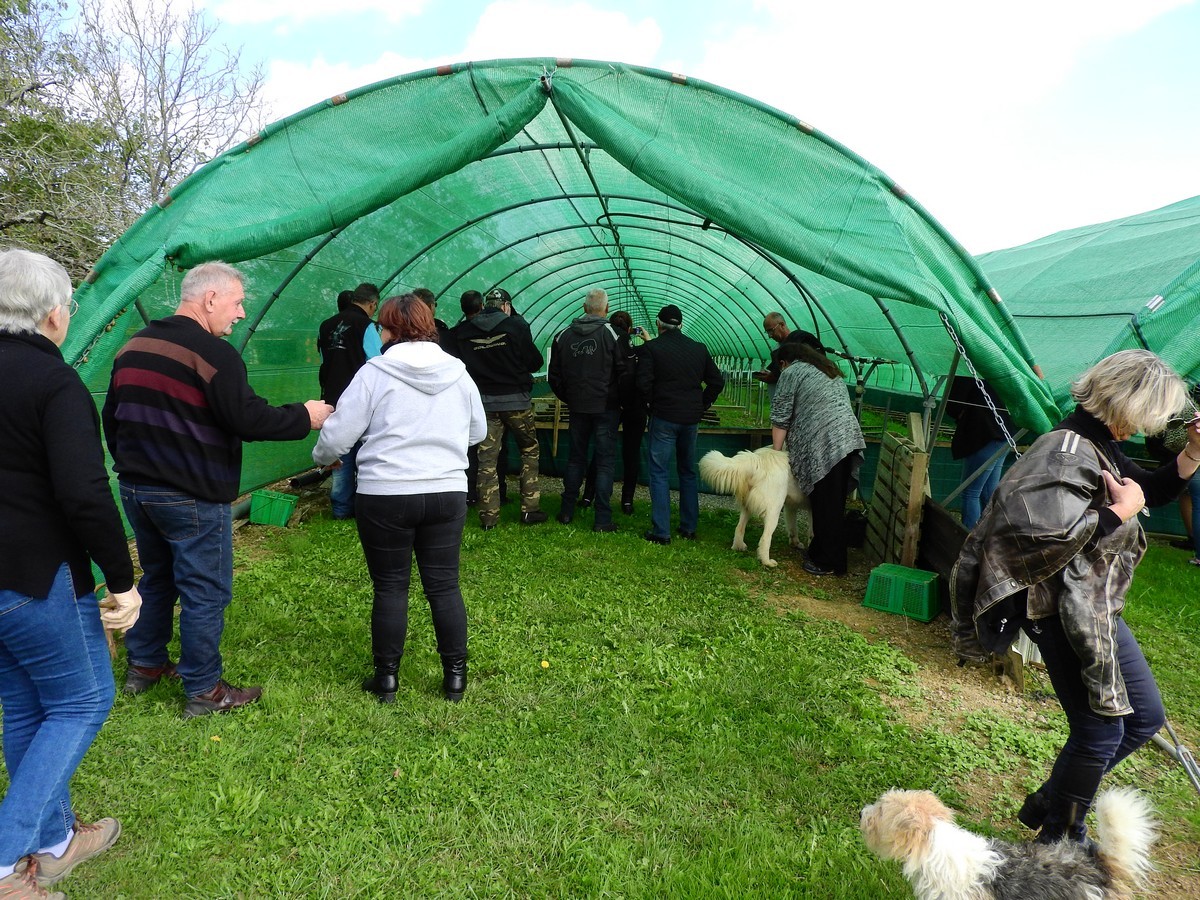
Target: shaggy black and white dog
[{"x": 944, "y": 862}]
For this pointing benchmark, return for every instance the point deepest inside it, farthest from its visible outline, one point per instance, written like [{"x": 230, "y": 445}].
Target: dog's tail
[
  {"x": 1125, "y": 829},
  {"x": 722, "y": 472}
]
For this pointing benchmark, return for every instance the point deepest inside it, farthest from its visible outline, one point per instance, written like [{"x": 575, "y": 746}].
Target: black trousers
[
  {"x": 828, "y": 500},
  {"x": 394, "y": 528}
]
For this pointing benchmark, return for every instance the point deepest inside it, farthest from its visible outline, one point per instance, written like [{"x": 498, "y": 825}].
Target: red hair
[{"x": 408, "y": 318}]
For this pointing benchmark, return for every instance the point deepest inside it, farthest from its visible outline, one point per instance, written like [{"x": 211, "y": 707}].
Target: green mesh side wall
[
  {"x": 1082, "y": 294},
  {"x": 549, "y": 178}
]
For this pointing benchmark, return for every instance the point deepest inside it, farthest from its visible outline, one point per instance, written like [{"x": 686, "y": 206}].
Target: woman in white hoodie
[{"x": 416, "y": 411}]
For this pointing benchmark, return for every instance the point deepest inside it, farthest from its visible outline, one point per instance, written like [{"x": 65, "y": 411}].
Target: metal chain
[{"x": 987, "y": 398}]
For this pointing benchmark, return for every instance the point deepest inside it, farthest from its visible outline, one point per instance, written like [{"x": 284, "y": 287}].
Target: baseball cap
[
  {"x": 496, "y": 296},
  {"x": 670, "y": 315}
]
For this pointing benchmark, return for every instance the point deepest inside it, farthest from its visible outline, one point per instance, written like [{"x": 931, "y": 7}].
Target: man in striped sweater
[{"x": 179, "y": 406}]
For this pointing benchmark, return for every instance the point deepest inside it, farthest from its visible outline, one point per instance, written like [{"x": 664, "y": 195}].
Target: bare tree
[
  {"x": 170, "y": 96},
  {"x": 52, "y": 162}
]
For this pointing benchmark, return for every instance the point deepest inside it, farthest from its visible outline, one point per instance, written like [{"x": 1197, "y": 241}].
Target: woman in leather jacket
[{"x": 1054, "y": 554}]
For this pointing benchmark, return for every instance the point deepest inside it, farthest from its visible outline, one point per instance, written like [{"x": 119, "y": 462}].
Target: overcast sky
[{"x": 1007, "y": 121}]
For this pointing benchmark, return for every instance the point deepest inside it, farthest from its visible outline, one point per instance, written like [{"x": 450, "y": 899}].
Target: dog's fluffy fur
[
  {"x": 945, "y": 862},
  {"x": 763, "y": 485}
]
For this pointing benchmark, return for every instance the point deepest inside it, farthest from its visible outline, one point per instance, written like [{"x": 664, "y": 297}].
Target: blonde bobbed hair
[{"x": 1131, "y": 391}]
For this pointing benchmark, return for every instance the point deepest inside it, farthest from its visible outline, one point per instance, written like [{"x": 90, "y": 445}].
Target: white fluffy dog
[
  {"x": 944, "y": 862},
  {"x": 763, "y": 485}
]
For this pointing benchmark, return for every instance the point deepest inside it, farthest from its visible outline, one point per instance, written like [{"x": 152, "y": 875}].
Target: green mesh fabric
[
  {"x": 1082, "y": 294},
  {"x": 549, "y": 178}
]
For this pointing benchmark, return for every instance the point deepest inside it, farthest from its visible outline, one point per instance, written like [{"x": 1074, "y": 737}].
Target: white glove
[{"x": 118, "y": 612}]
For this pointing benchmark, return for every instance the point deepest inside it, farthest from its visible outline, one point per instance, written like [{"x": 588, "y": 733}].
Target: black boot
[
  {"x": 454, "y": 677},
  {"x": 383, "y": 685},
  {"x": 1035, "y": 808},
  {"x": 1070, "y": 826}
]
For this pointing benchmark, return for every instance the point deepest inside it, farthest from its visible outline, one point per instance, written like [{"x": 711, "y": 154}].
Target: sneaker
[
  {"x": 627, "y": 507},
  {"x": 564, "y": 518},
  {"x": 813, "y": 569},
  {"x": 1194, "y": 561},
  {"x": 142, "y": 678},
  {"x": 585, "y": 502},
  {"x": 87, "y": 842},
  {"x": 604, "y": 527},
  {"x": 687, "y": 535},
  {"x": 656, "y": 539},
  {"x": 222, "y": 698},
  {"x": 536, "y": 517},
  {"x": 22, "y": 884}
]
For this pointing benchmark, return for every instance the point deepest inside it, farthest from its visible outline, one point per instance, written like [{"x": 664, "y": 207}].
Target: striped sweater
[{"x": 179, "y": 406}]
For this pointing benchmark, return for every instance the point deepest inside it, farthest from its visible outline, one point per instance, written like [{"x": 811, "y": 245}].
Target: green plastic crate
[
  {"x": 903, "y": 591},
  {"x": 271, "y": 507}
]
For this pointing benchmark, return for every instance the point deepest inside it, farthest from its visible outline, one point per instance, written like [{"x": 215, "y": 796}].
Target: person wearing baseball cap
[{"x": 679, "y": 380}]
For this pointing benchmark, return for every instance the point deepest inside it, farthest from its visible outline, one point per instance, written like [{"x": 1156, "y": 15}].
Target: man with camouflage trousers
[{"x": 498, "y": 351}]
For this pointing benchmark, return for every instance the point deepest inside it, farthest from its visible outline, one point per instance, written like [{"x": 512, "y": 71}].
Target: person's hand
[
  {"x": 118, "y": 611},
  {"x": 318, "y": 412},
  {"x": 1127, "y": 496},
  {"x": 760, "y": 375}
]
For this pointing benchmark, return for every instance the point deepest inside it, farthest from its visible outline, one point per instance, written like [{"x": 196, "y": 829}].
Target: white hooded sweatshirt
[{"x": 416, "y": 411}]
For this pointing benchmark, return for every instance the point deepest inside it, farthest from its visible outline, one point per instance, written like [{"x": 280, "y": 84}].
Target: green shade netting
[
  {"x": 1082, "y": 294},
  {"x": 549, "y": 178}
]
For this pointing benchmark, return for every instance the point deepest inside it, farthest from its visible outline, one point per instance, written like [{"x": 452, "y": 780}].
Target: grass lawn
[{"x": 640, "y": 721}]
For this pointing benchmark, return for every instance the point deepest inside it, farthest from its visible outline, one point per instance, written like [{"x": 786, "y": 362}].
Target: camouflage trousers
[{"x": 521, "y": 424}]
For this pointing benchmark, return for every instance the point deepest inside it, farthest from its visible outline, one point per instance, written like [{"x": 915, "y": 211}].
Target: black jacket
[
  {"x": 340, "y": 340},
  {"x": 586, "y": 365},
  {"x": 499, "y": 353},
  {"x": 56, "y": 504},
  {"x": 678, "y": 378},
  {"x": 975, "y": 424}
]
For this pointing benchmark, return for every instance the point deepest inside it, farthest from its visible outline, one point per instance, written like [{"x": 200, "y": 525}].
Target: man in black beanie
[{"x": 679, "y": 380}]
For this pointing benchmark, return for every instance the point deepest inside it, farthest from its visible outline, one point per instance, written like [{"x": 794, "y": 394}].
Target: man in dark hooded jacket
[
  {"x": 498, "y": 351},
  {"x": 585, "y": 365}
]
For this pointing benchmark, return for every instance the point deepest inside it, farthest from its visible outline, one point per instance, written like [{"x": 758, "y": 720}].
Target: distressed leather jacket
[{"x": 1047, "y": 545}]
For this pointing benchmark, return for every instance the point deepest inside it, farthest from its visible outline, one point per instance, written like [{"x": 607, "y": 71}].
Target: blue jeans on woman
[
  {"x": 56, "y": 685},
  {"x": 975, "y": 496},
  {"x": 1095, "y": 743},
  {"x": 395, "y": 527},
  {"x": 1193, "y": 489},
  {"x": 185, "y": 547}
]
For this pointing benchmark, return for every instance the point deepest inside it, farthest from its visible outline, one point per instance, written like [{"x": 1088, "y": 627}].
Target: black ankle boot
[
  {"x": 383, "y": 685},
  {"x": 454, "y": 678},
  {"x": 1034, "y": 810}
]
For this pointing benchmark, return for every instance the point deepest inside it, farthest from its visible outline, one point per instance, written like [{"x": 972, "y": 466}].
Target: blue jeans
[
  {"x": 975, "y": 496},
  {"x": 344, "y": 481},
  {"x": 392, "y": 527},
  {"x": 56, "y": 685},
  {"x": 602, "y": 429},
  {"x": 665, "y": 438},
  {"x": 1095, "y": 743},
  {"x": 185, "y": 547},
  {"x": 1193, "y": 489}
]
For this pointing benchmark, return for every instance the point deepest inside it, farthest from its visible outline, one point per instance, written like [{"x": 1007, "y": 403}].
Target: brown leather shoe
[
  {"x": 221, "y": 698},
  {"x": 142, "y": 678},
  {"x": 22, "y": 884},
  {"x": 87, "y": 842}
]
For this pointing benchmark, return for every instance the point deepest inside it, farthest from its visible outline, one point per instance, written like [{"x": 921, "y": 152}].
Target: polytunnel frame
[
  {"x": 578, "y": 226},
  {"x": 170, "y": 258},
  {"x": 808, "y": 298}
]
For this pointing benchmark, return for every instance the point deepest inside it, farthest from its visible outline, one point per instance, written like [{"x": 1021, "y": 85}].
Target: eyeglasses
[{"x": 72, "y": 306}]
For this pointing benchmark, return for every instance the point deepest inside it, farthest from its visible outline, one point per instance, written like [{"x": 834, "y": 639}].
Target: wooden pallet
[{"x": 897, "y": 501}]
